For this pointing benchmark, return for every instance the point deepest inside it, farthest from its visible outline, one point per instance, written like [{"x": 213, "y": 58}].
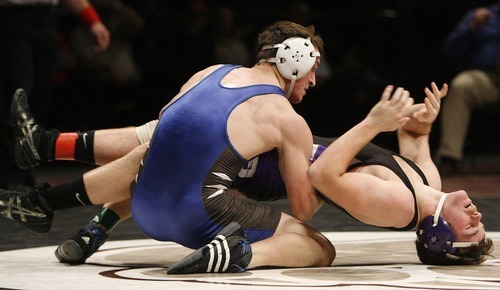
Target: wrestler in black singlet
[{"x": 261, "y": 180}]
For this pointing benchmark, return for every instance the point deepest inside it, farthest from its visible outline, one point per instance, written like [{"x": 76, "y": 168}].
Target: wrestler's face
[
  {"x": 463, "y": 217},
  {"x": 304, "y": 83}
]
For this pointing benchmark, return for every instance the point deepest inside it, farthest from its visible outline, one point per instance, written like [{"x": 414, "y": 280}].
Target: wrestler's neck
[
  {"x": 268, "y": 73},
  {"x": 428, "y": 199}
]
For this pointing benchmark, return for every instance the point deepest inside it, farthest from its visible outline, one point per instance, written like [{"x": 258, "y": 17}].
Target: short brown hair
[
  {"x": 281, "y": 31},
  {"x": 473, "y": 255}
]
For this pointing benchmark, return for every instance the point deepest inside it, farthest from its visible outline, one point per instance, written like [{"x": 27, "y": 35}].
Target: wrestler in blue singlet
[{"x": 181, "y": 191}]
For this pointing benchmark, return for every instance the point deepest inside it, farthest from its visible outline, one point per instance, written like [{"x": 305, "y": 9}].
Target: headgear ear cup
[
  {"x": 295, "y": 57},
  {"x": 437, "y": 238}
]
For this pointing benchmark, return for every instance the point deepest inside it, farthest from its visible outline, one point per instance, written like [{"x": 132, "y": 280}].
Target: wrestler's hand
[
  {"x": 101, "y": 35},
  {"x": 428, "y": 113},
  {"x": 423, "y": 115},
  {"x": 392, "y": 111}
]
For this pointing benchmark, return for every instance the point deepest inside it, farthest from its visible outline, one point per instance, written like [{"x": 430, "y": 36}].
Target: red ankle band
[{"x": 65, "y": 146}]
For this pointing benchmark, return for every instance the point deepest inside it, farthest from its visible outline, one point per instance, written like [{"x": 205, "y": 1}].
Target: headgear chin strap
[
  {"x": 295, "y": 57},
  {"x": 437, "y": 236}
]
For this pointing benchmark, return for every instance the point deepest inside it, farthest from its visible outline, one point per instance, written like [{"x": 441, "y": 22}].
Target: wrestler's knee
[
  {"x": 292, "y": 225},
  {"x": 328, "y": 248}
]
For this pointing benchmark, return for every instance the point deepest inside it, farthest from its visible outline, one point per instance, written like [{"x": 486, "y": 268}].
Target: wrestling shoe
[
  {"x": 34, "y": 145},
  {"x": 28, "y": 208},
  {"x": 86, "y": 242},
  {"x": 228, "y": 252}
]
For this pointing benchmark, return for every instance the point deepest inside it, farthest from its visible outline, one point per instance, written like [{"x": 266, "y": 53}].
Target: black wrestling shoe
[
  {"x": 34, "y": 145},
  {"x": 228, "y": 252},
  {"x": 27, "y": 208},
  {"x": 86, "y": 242}
]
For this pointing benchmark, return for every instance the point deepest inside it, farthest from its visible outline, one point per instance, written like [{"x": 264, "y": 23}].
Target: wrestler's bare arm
[{"x": 413, "y": 138}]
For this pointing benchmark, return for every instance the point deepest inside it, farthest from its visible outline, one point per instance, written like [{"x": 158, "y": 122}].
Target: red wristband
[{"x": 89, "y": 16}]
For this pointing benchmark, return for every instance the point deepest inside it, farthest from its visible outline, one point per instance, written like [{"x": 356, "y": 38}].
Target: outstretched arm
[
  {"x": 413, "y": 137},
  {"x": 366, "y": 197},
  {"x": 387, "y": 115}
]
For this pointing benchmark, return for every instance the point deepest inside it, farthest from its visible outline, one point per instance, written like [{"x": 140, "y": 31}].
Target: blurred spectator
[
  {"x": 28, "y": 56},
  {"x": 193, "y": 43},
  {"x": 183, "y": 46},
  {"x": 229, "y": 44},
  {"x": 117, "y": 62},
  {"x": 473, "y": 45},
  {"x": 100, "y": 80},
  {"x": 300, "y": 11},
  {"x": 355, "y": 85}
]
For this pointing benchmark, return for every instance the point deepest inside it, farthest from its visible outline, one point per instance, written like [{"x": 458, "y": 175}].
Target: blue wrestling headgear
[
  {"x": 437, "y": 236},
  {"x": 295, "y": 57}
]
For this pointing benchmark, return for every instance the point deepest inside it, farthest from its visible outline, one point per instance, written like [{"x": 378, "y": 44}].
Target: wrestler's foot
[
  {"x": 228, "y": 252},
  {"x": 34, "y": 145},
  {"x": 86, "y": 242},
  {"x": 29, "y": 209}
]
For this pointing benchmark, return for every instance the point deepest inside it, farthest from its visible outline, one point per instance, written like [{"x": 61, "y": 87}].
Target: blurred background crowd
[{"x": 157, "y": 44}]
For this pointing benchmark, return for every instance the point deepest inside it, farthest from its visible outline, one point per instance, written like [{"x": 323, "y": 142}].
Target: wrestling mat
[{"x": 365, "y": 260}]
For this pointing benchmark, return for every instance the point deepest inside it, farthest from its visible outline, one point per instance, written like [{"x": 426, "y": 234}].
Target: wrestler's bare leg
[
  {"x": 111, "y": 182},
  {"x": 111, "y": 144},
  {"x": 305, "y": 247}
]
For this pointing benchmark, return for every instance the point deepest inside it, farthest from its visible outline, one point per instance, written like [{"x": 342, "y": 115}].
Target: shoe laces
[
  {"x": 15, "y": 206},
  {"x": 28, "y": 128},
  {"x": 15, "y": 202}
]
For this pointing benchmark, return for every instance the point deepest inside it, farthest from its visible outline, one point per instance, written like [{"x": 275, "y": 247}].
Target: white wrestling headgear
[{"x": 295, "y": 57}]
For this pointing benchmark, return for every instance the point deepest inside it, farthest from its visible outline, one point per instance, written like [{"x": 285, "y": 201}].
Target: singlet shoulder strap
[{"x": 258, "y": 89}]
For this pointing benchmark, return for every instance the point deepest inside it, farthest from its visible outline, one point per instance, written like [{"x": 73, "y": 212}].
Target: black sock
[
  {"x": 84, "y": 147},
  {"x": 46, "y": 145},
  {"x": 67, "y": 195},
  {"x": 107, "y": 218}
]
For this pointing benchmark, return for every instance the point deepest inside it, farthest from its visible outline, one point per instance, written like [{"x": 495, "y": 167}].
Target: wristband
[{"x": 89, "y": 16}]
